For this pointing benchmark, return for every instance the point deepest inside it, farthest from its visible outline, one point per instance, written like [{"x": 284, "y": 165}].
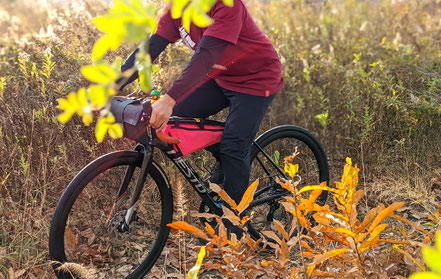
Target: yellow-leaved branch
[{"x": 127, "y": 21}]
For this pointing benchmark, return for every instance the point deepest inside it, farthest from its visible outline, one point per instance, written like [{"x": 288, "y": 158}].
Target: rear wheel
[
  {"x": 86, "y": 230},
  {"x": 267, "y": 163}
]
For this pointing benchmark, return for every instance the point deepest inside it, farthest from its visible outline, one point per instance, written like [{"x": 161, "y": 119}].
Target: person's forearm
[
  {"x": 209, "y": 50},
  {"x": 157, "y": 44}
]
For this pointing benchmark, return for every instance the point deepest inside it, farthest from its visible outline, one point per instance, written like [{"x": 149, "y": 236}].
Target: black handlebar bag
[{"x": 133, "y": 115}]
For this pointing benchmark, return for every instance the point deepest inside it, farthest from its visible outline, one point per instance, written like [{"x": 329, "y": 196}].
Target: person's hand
[{"x": 161, "y": 112}]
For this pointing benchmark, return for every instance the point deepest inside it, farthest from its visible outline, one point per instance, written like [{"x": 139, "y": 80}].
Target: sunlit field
[{"x": 363, "y": 76}]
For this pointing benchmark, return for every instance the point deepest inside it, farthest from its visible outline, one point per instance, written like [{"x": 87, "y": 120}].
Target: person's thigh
[{"x": 205, "y": 101}]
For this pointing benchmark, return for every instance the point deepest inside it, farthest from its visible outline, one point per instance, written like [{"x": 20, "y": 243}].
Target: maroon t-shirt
[{"x": 249, "y": 65}]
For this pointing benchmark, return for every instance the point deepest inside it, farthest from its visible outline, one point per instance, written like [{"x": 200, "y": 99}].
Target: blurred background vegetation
[{"x": 364, "y": 76}]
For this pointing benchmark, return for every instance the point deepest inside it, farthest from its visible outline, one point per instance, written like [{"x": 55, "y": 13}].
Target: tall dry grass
[{"x": 365, "y": 76}]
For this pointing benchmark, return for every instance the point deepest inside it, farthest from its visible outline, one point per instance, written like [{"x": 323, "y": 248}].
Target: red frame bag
[{"x": 194, "y": 133}]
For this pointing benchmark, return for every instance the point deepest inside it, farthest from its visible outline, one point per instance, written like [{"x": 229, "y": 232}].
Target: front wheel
[
  {"x": 88, "y": 231},
  {"x": 267, "y": 163}
]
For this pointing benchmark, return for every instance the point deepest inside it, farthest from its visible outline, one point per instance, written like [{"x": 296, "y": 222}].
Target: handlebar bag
[
  {"x": 132, "y": 114},
  {"x": 194, "y": 133}
]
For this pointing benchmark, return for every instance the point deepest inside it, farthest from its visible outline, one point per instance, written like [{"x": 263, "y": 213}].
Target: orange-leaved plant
[{"x": 334, "y": 242}]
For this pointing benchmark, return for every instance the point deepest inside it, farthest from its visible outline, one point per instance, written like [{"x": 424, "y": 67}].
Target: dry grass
[{"x": 395, "y": 136}]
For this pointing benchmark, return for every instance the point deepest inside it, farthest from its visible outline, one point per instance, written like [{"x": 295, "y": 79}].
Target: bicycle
[{"x": 126, "y": 238}]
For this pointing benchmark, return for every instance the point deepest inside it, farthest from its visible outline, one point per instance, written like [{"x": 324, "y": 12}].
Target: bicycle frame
[{"x": 187, "y": 171}]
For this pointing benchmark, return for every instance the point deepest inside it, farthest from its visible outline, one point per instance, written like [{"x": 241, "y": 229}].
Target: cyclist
[{"x": 234, "y": 65}]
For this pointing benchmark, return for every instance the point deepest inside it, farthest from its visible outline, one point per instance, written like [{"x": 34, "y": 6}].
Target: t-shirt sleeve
[
  {"x": 167, "y": 27},
  {"x": 227, "y": 23}
]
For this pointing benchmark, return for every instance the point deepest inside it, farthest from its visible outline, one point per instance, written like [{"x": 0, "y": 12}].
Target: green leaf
[
  {"x": 276, "y": 157},
  {"x": 432, "y": 258}
]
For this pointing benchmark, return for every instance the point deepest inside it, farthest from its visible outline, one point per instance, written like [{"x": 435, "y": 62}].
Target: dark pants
[{"x": 244, "y": 118}]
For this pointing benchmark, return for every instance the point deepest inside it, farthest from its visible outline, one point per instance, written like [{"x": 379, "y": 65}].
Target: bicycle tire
[
  {"x": 159, "y": 190},
  {"x": 311, "y": 150}
]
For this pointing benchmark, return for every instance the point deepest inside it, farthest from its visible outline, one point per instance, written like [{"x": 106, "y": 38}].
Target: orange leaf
[
  {"x": 321, "y": 219},
  {"x": 380, "y": 217},
  {"x": 247, "y": 197},
  {"x": 412, "y": 224},
  {"x": 284, "y": 253},
  {"x": 183, "y": 226},
  {"x": 272, "y": 235},
  {"x": 223, "y": 236},
  {"x": 281, "y": 229},
  {"x": 71, "y": 238},
  {"x": 224, "y": 196},
  {"x": 344, "y": 232},
  {"x": 229, "y": 215},
  {"x": 370, "y": 216},
  {"x": 330, "y": 254},
  {"x": 210, "y": 229},
  {"x": 373, "y": 239}
]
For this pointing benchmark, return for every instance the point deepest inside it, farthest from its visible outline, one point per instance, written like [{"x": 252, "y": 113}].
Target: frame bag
[{"x": 195, "y": 134}]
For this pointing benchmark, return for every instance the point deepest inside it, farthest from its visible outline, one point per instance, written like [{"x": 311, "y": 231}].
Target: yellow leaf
[
  {"x": 432, "y": 258},
  {"x": 97, "y": 95},
  {"x": 229, "y": 3},
  {"x": 311, "y": 268},
  {"x": 64, "y": 104},
  {"x": 115, "y": 131},
  {"x": 99, "y": 73},
  {"x": 193, "y": 273},
  {"x": 318, "y": 187},
  {"x": 201, "y": 19},
  {"x": 425, "y": 275},
  {"x": 178, "y": 7},
  {"x": 101, "y": 129},
  {"x": 291, "y": 169},
  {"x": 247, "y": 197},
  {"x": 186, "y": 19},
  {"x": 100, "y": 48},
  {"x": 65, "y": 117},
  {"x": 87, "y": 118}
]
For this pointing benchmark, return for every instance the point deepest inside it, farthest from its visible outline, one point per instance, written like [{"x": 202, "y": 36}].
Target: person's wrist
[{"x": 169, "y": 100}]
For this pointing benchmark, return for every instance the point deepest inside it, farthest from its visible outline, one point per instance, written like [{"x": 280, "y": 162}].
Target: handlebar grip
[{"x": 167, "y": 139}]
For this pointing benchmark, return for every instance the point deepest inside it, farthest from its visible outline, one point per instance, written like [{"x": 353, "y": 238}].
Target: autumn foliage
[{"x": 336, "y": 240}]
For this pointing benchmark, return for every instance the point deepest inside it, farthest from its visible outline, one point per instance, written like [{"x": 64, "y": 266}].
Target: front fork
[{"x": 130, "y": 215}]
